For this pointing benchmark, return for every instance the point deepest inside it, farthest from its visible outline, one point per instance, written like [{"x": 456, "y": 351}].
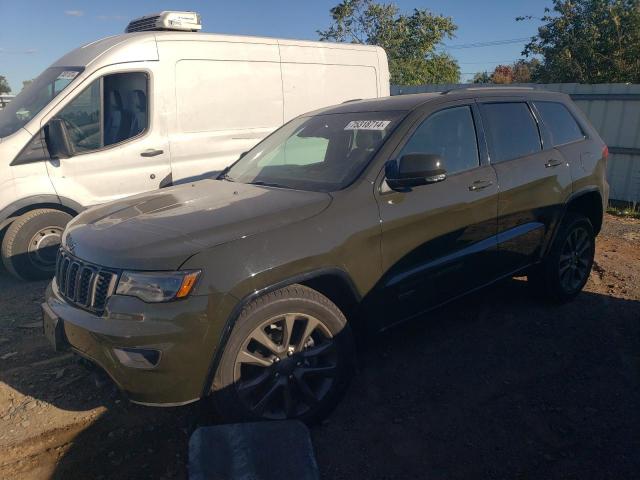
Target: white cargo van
[{"x": 144, "y": 110}]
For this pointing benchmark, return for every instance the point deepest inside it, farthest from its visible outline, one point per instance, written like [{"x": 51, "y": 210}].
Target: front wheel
[
  {"x": 565, "y": 270},
  {"x": 290, "y": 356},
  {"x": 31, "y": 243}
]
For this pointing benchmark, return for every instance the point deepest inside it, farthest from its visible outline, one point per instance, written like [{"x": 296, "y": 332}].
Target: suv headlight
[{"x": 157, "y": 286}]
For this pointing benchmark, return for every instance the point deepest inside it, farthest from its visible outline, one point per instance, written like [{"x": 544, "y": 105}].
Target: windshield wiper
[{"x": 268, "y": 184}]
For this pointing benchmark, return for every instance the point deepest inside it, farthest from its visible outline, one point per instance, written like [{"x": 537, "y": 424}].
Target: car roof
[{"x": 412, "y": 101}]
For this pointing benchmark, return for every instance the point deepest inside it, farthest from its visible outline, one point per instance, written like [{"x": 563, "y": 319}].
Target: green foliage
[
  {"x": 588, "y": 41},
  {"x": 4, "y": 85},
  {"x": 481, "y": 77},
  {"x": 409, "y": 40}
]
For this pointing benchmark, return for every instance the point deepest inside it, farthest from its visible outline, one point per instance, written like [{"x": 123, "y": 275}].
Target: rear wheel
[
  {"x": 565, "y": 270},
  {"x": 290, "y": 356},
  {"x": 31, "y": 242}
]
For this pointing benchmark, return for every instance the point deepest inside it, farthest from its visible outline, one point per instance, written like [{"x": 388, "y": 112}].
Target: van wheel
[
  {"x": 31, "y": 243},
  {"x": 565, "y": 270},
  {"x": 290, "y": 355}
]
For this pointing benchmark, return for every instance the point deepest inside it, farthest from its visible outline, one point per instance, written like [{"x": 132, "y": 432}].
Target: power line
[{"x": 491, "y": 43}]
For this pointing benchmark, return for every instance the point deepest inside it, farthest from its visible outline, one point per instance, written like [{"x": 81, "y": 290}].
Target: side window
[
  {"x": 511, "y": 130},
  {"x": 82, "y": 118},
  {"x": 111, "y": 110},
  {"x": 559, "y": 122},
  {"x": 451, "y": 134}
]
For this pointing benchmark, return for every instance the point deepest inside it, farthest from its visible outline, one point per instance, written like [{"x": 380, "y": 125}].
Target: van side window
[
  {"x": 512, "y": 131},
  {"x": 560, "y": 123},
  {"x": 451, "y": 134},
  {"x": 111, "y": 110}
]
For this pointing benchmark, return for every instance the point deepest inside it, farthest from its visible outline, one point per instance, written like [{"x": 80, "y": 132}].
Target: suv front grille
[{"x": 84, "y": 284}]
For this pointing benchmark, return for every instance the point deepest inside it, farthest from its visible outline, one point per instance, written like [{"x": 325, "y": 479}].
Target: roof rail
[
  {"x": 352, "y": 100},
  {"x": 485, "y": 88}
]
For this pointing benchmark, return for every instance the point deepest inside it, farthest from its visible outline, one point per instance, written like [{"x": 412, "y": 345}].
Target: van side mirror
[
  {"x": 57, "y": 139},
  {"x": 415, "y": 169}
]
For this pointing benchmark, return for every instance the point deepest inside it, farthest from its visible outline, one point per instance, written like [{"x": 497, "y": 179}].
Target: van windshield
[
  {"x": 28, "y": 103},
  {"x": 320, "y": 153}
]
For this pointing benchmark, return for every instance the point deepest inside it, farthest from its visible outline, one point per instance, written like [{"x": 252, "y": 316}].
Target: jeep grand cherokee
[{"x": 243, "y": 288}]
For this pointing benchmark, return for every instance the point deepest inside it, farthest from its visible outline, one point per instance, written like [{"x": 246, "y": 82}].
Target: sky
[{"x": 35, "y": 33}]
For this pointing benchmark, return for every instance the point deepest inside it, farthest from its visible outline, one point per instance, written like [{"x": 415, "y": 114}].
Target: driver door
[
  {"x": 439, "y": 240},
  {"x": 118, "y": 148}
]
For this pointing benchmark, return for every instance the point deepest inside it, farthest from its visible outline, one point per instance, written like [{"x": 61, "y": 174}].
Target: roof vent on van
[{"x": 167, "y": 20}]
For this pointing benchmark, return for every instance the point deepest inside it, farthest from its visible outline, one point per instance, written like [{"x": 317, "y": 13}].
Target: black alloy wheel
[{"x": 286, "y": 366}]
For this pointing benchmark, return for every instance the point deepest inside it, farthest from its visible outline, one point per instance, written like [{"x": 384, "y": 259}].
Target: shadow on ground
[{"x": 498, "y": 385}]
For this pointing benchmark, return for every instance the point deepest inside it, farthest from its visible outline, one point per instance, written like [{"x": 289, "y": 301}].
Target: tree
[
  {"x": 26, "y": 83},
  {"x": 524, "y": 71},
  {"x": 4, "y": 85},
  {"x": 502, "y": 74},
  {"x": 409, "y": 40},
  {"x": 588, "y": 41},
  {"x": 481, "y": 77}
]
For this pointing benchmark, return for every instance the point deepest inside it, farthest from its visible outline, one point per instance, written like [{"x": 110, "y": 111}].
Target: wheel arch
[
  {"x": 588, "y": 203},
  {"x": 27, "y": 204},
  {"x": 331, "y": 282}
]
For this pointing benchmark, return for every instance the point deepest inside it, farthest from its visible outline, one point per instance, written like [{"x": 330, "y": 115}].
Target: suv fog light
[{"x": 137, "y": 357}]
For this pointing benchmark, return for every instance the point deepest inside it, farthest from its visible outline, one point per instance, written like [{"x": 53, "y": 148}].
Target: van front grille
[
  {"x": 84, "y": 284},
  {"x": 143, "y": 24}
]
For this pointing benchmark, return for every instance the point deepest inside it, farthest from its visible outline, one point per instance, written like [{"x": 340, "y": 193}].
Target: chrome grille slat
[{"x": 84, "y": 284}]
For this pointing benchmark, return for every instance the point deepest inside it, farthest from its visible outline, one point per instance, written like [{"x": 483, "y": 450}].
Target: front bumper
[{"x": 180, "y": 332}]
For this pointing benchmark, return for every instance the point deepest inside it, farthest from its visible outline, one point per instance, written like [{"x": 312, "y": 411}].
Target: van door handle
[
  {"x": 151, "y": 152},
  {"x": 553, "y": 163},
  {"x": 480, "y": 185}
]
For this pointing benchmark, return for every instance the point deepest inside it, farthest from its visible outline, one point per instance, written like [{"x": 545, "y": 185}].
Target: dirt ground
[{"x": 498, "y": 385}]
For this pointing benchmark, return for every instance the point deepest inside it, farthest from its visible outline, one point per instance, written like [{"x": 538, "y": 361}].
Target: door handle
[
  {"x": 151, "y": 152},
  {"x": 480, "y": 185},
  {"x": 553, "y": 163}
]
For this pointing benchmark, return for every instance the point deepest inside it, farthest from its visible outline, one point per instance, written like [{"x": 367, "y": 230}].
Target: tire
[
  {"x": 30, "y": 245},
  {"x": 565, "y": 270},
  {"x": 319, "y": 366}
]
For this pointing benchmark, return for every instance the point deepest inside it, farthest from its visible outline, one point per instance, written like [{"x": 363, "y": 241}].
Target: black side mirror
[
  {"x": 57, "y": 139},
  {"x": 415, "y": 169}
]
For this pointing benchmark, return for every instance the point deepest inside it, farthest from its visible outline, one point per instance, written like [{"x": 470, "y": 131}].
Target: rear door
[
  {"x": 438, "y": 240},
  {"x": 534, "y": 180}
]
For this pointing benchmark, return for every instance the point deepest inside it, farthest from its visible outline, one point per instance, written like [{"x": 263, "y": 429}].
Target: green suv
[{"x": 245, "y": 288}]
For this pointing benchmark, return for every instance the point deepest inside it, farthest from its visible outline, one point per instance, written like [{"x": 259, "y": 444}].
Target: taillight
[{"x": 605, "y": 152}]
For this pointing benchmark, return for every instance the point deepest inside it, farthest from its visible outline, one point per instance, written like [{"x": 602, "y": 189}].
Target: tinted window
[
  {"x": 559, "y": 122},
  {"x": 121, "y": 115},
  {"x": 511, "y": 130},
  {"x": 449, "y": 133}
]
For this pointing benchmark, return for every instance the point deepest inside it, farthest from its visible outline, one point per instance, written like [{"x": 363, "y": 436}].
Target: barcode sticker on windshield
[
  {"x": 367, "y": 125},
  {"x": 68, "y": 75}
]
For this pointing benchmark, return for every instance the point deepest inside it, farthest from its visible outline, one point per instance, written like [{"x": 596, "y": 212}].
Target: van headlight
[{"x": 157, "y": 286}]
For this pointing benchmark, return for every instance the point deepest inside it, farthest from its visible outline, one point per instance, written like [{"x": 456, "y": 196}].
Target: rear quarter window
[
  {"x": 559, "y": 122},
  {"x": 511, "y": 130}
]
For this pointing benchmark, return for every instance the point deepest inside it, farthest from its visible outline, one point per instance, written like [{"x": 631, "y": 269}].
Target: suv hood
[{"x": 161, "y": 229}]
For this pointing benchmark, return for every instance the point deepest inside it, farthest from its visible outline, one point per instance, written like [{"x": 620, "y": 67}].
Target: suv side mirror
[
  {"x": 57, "y": 138},
  {"x": 414, "y": 169}
]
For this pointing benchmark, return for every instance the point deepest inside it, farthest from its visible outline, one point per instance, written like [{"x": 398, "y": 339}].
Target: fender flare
[{"x": 237, "y": 309}]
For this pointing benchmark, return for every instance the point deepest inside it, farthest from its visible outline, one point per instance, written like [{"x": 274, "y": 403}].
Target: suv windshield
[
  {"x": 320, "y": 153},
  {"x": 33, "y": 98}
]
